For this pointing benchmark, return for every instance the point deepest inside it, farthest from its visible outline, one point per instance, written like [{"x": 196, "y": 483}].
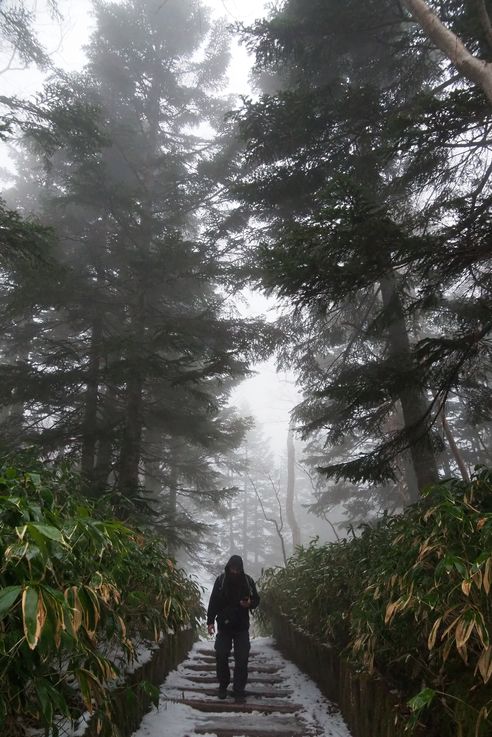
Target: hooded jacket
[{"x": 225, "y": 599}]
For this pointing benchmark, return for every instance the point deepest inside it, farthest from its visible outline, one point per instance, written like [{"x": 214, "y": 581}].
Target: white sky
[{"x": 269, "y": 396}]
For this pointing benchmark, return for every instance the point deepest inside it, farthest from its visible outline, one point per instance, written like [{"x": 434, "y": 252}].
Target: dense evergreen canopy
[{"x": 367, "y": 175}]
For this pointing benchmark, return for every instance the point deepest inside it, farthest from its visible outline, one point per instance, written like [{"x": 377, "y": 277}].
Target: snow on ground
[{"x": 173, "y": 719}]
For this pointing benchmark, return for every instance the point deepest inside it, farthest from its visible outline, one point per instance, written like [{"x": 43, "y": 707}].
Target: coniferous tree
[
  {"x": 344, "y": 236},
  {"x": 135, "y": 353}
]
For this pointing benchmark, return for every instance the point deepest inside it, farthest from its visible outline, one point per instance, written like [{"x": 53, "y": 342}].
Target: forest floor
[{"x": 280, "y": 700}]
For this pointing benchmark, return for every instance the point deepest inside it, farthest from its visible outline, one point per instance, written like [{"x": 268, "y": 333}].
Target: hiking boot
[
  {"x": 239, "y": 698},
  {"x": 222, "y": 692}
]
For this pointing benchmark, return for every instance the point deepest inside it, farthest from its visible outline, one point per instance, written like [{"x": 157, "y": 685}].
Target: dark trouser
[{"x": 223, "y": 646}]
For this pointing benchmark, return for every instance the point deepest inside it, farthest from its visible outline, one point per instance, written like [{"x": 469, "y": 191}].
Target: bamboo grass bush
[
  {"x": 78, "y": 591},
  {"x": 409, "y": 598}
]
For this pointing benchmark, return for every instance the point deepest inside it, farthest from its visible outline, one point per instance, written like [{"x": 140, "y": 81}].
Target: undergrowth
[{"x": 410, "y": 598}]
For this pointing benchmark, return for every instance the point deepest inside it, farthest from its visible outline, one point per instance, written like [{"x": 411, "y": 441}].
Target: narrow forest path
[{"x": 281, "y": 701}]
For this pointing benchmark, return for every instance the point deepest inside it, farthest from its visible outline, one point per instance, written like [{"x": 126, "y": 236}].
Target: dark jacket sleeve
[
  {"x": 215, "y": 602},
  {"x": 255, "y": 599}
]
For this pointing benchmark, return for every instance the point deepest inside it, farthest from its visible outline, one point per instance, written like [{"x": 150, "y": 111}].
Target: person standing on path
[{"x": 233, "y": 595}]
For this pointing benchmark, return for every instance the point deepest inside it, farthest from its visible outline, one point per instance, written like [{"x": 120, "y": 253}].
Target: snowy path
[{"x": 281, "y": 701}]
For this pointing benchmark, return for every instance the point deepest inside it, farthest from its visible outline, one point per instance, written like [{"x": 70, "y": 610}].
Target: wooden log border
[
  {"x": 368, "y": 705},
  {"x": 130, "y": 704}
]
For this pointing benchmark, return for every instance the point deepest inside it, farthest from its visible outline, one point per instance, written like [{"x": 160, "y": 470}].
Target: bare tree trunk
[
  {"x": 245, "y": 525},
  {"x": 278, "y": 523},
  {"x": 131, "y": 445},
  {"x": 12, "y": 413},
  {"x": 89, "y": 424},
  {"x": 291, "y": 488},
  {"x": 256, "y": 523},
  {"x": 231, "y": 530},
  {"x": 473, "y": 68},
  {"x": 454, "y": 448},
  {"x": 104, "y": 456},
  {"x": 412, "y": 494},
  {"x": 129, "y": 461},
  {"x": 172, "y": 503},
  {"x": 152, "y": 442},
  {"x": 413, "y": 402}
]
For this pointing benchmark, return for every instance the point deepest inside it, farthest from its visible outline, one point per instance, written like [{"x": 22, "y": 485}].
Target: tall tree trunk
[
  {"x": 256, "y": 523},
  {"x": 291, "y": 488},
  {"x": 130, "y": 452},
  {"x": 232, "y": 543},
  {"x": 412, "y": 398},
  {"x": 104, "y": 455},
  {"x": 89, "y": 423},
  {"x": 245, "y": 525},
  {"x": 131, "y": 446},
  {"x": 471, "y": 67},
  {"x": 454, "y": 448},
  {"x": 173, "y": 503},
  {"x": 152, "y": 443},
  {"x": 129, "y": 462},
  {"x": 13, "y": 412},
  {"x": 412, "y": 494}
]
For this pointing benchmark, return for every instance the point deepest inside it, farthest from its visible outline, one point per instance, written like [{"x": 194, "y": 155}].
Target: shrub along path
[{"x": 281, "y": 701}]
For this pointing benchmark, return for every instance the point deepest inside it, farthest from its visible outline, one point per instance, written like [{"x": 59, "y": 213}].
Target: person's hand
[
  {"x": 245, "y": 602},
  {"x": 211, "y": 629}
]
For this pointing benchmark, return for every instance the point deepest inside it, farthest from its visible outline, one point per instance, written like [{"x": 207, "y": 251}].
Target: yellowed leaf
[
  {"x": 482, "y": 714},
  {"x": 463, "y": 651},
  {"x": 484, "y": 664},
  {"x": 40, "y": 616},
  {"x": 167, "y": 607},
  {"x": 431, "y": 641},
  {"x": 72, "y": 597},
  {"x": 21, "y": 531},
  {"x": 462, "y": 635},
  {"x": 466, "y": 586},
  {"x": 447, "y": 649},
  {"x": 477, "y": 578},
  {"x": 391, "y": 610},
  {"x": 122, "y": 625},
  {"x": 487, "y": 575},
  {"x": 425, "y": 548}
]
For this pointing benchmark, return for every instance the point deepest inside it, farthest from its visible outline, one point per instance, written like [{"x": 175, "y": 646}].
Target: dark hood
[{"x": 236, "y": 562}]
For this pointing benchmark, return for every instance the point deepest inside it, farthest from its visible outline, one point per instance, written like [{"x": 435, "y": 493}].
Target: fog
[{"x": 166, "y": 322}]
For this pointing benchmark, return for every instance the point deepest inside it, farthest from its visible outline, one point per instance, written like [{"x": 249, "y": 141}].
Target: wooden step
[
  {"x": 272, "y": 693},
  {"x": 221, "y": 706},
  {"x": 281, "y": 726},
  {"x": 211, "y": 658},
  {"x": 252, "y": 678},
  {"x": 252, "y": 667},
  {"x": 248, "y": 732},
  {"x": 211, "y": 652}
]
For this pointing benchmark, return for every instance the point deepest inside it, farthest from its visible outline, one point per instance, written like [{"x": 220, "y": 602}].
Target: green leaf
[
  {"x": 52, "y": 533},
  {"x": 44, "y": 700},
  {"x": 8, "y": 596},
  {"x": 422, "y": 699},
  {"x": 35, "y": 478},
  {"x": 151, "y": 691}
]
